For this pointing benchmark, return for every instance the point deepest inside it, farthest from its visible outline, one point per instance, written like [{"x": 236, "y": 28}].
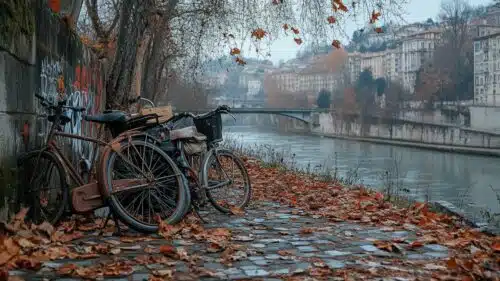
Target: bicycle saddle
[{"x": 108, "y": 116}]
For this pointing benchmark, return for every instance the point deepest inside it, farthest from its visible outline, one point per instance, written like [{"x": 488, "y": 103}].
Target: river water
[{"x": 468, "y": 182}]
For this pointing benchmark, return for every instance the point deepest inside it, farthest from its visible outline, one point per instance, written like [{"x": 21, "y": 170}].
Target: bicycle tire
[
  {"x": 240, "y": 165},
  {"x": 51, "y": 157},
  {"x": 182, "y": 204}
]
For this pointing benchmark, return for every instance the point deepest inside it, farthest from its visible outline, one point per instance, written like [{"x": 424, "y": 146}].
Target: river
[{"x": 468, "y": 182}]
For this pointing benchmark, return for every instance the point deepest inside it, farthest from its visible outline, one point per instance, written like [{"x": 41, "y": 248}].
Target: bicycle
[
  {"x": 202, "y": 187},
  {"x": 116, "y": 182}
]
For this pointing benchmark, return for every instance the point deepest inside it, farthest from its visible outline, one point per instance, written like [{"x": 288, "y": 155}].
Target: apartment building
[
  {"x": 487, "y": 66},
  {"x": 401, "y": 62}
]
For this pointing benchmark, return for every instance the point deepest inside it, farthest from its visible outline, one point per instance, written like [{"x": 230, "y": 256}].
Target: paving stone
[
  {"x": 335, "y": 253},
  {"x": 307, "y": 249},
  {"x": 321, "y": 242},
  {"x": 256, "y": 273},
  {"x": 256, "y": 258},
  {"x": 334, "y": 264},
  {"x": 436, "y": 247},
  {"x": 260, "y": 246},
  {"x": 262, "y": 262},
  {"x": 273, "y": 257},
  {"x": 439, "y": 255},
  {"x": 211, "y": 265},
  {"x": 300, "y": 243},
  {"x": 281, "y": 271},
  {"x": 232, "y": 271},
  {"x": 258, "y": 220},
  {"x": 370, "y": 248}
]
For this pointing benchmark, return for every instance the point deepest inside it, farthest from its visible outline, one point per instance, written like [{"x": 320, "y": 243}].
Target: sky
[{"x": 417, "y": 10}]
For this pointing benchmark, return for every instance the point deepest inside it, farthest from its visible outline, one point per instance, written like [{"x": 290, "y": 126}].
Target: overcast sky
[{"x": 417, "y": 10}]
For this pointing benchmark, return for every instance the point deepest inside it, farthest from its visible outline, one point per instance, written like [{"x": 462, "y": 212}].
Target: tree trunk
[{"x": 133, "y": 23}]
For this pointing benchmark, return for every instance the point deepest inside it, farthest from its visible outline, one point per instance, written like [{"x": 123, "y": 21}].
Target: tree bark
[{"x": 133, "y": 23}]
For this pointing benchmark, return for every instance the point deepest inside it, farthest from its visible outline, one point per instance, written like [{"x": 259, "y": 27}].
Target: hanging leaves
[
  {"x": 240, "y": 61},
  {"x": 297, "y": 40},
  {"x": 336, "y": 44},
  {"x": 234, "y": 51},
  {"x": 276, "y": 2},
  {"x": 379, "y": 30},
  {"x": 285, "y": 26},
  {"x": 339, "y": 5},
  {"x": 331, "y": 20},
  {"x": 295, "y": 30},
  {"x": 374, "y": 17},
  {"x": 259, "y": 33}
]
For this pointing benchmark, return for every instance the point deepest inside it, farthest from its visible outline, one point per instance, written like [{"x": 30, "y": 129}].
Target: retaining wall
[{"x": 39, "y": 53}]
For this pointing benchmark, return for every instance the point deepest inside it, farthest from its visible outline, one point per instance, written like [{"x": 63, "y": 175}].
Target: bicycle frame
[{"x": 51, "y": 145}]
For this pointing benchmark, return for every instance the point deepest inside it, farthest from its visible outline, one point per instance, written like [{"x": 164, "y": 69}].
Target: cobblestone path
[{"x": 278, "y": 242}]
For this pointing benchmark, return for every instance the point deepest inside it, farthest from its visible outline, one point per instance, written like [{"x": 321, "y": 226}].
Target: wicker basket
[{"x": 211, "y": 127}]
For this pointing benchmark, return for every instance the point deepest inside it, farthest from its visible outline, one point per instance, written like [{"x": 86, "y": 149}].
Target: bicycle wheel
[
  {"x": 43, "y": 186},
  {"x": 226, "y": 180},
  {"x": 145, "y": 184}
]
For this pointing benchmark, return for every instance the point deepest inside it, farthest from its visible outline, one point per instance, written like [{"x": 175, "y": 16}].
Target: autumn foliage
[{"x": 474, "y": 254}]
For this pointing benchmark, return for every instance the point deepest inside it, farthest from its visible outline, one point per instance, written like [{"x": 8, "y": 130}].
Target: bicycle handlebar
[
  {"x": 60, "y": 104},
  {"x": 223, "y": 109}
]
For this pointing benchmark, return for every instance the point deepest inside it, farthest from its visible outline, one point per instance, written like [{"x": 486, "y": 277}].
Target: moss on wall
[{"x": 16, "y": 17}]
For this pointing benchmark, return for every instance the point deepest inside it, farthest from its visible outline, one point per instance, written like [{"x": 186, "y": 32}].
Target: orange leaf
[
  {"x": 169, "y": 251},
  {"x": 235, "y": 51},
  {"x": 276, "y": 2},
  {"x": 451, "y": 263},
  {"x": 336, "y": 44},
  {"x": 343, "y": 7},
  {"x": 331, "y": 19},
  {"x": 240, "y": 61},
  {"x": 295, "y": 30},
  {"x": 375, "y": 16},
  {"x": 285, "y": 26},
  {"x": 379, "y": 30},
  {"x": 237, "y": 211},
  {"x": 415, "y": 244},
  {"x": 259, "y": 33},
  {"x": 298, "y": 41},
  {"x": 496, "y": 246}
]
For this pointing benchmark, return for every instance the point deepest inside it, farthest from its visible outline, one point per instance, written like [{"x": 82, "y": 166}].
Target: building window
[{"x": 477, "y": 46}]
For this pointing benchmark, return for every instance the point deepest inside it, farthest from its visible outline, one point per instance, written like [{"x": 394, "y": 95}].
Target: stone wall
[
  {"x": 485, "y": 117},
  {"x": 406, "y": 131},
  {"x": 48, "y": 59}
]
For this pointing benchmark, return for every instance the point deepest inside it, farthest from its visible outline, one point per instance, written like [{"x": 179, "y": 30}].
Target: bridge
[{"x": 301, "y": 114}]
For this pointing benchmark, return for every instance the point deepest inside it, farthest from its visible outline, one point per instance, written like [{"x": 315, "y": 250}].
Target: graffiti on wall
[{"x": 80, "y": 86}]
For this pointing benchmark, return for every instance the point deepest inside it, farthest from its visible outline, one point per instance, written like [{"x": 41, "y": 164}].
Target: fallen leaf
[
  {"x": 237, "y": 211},
  {"x": 169, "y": 251}
]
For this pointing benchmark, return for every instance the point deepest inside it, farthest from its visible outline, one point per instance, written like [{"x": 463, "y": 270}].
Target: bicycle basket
[{"x": 210, "y": 126}]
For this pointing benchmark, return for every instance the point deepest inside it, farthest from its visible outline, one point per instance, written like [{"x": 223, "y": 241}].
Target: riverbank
[
  {"x": 297, "y": 227},
  {"x": 405, "y": 143}
]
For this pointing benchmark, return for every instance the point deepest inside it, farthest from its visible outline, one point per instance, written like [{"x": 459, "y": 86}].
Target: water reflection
[{"x": 464, "y": 180}]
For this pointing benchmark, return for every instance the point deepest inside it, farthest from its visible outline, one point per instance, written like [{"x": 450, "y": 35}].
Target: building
[
  {"x": 402, "y": 61},
  {"x": 487, "y": 67},
  {"x": 415, "y": 50},
  {"x": 310, "y": 77}
]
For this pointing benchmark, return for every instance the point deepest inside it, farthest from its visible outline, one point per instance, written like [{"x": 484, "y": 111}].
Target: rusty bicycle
[
  {"x": 132, "y": 176},
  {"x": 214, "y": 174}
]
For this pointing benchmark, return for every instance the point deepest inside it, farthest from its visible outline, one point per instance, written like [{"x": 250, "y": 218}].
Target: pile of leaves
[{"x": 476, "y": 255}]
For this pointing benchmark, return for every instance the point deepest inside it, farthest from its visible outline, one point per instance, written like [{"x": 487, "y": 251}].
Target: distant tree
[
  {"x": 380, "y": 84},
  {"x": 324, "y": 99},
  {"x": 453, "y": 59},
  {"x": 365, "y": 87}
]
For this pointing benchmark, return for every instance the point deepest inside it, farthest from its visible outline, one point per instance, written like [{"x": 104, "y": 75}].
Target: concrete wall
[
  {"x": 485, "y": 117},
  {"x": 49, "y": 60},
  {"x": 408, "y": 131},
  {"x": 435, "y": 116}
]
